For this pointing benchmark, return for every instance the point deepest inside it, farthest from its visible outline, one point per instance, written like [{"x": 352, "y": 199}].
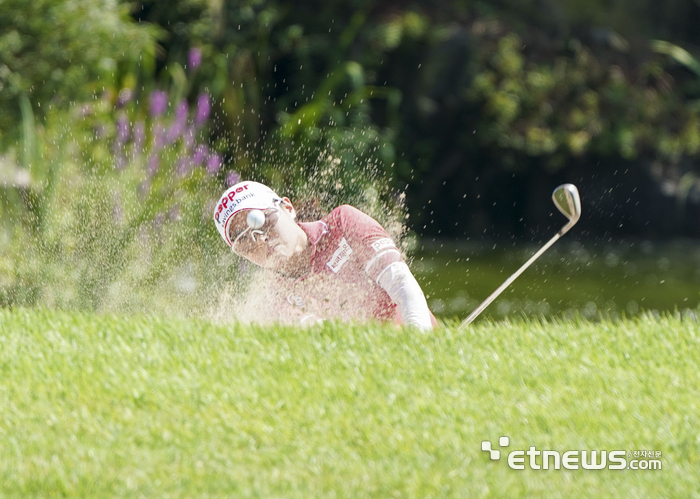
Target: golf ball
[{"x": 255, "y": 219}]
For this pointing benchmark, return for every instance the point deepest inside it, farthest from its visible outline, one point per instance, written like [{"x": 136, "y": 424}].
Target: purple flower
[
  {"x": 213, "y": 164},
  {"x": 139, "y": 136},
  {"x": 119, "y": 161},
  {"x": 184, "y": 166},
  {"x": 203, "y": 109},
  {"x": 232, "y": 177},
  {"x": 194, "y": 58},
  {"x": 122, "y": 128},
  {"x": 159, "y": 103},
  {"x": 153, "y": 163},
  {"x": 178, "y": 126},
  {"x": 121, "y": 138},
  {"x": 173, "y": 133},
  {"x": 200, "y": 152},
  {"x": 181, "y": 111},
  {"x": 158, "y": 137}
]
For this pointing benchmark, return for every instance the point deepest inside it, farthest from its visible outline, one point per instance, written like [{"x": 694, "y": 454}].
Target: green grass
[{"x": 106, "y": 406}]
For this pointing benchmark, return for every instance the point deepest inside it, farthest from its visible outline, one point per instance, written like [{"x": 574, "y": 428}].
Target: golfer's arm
[{"x": 399, "y": 283}]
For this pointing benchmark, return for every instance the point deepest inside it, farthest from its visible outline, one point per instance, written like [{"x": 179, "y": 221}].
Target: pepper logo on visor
[{"x": 224, "y": 204}]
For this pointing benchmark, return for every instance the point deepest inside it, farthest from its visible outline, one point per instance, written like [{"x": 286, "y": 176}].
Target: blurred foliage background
[{"x": 121, "y": 123}]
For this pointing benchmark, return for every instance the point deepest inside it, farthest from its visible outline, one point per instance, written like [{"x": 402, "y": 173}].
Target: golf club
[{"x": 568, "y": 201}]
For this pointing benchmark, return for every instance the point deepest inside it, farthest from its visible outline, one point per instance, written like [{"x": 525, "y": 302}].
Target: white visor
[{"x": 242, "y": 196}]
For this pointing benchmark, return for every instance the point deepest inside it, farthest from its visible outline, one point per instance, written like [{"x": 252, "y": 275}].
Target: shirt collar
[{"x": 314, "y": 231}]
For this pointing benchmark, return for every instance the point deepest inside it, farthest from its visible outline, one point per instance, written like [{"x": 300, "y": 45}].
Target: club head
[{"x": 567, "y": 200}]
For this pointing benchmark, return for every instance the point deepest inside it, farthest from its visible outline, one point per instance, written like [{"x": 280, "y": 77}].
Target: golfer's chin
[
  {"x": 277, "y": 260},
  {"x": 271, "y": 262},
  {"x": 286, "y": 264}
]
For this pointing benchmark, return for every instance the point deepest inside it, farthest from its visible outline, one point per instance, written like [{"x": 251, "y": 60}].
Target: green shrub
[{"x": 117, "y": 212}]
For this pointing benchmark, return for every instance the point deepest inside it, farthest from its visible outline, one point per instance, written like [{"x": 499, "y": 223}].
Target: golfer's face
[{"x": 273, "y": 244}]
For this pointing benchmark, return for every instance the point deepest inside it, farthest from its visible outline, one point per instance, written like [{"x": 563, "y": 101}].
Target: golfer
[{"x": 344, "y": 266}]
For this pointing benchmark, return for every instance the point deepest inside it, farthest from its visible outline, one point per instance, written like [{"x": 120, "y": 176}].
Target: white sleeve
[{"x": 405, "y": 291}]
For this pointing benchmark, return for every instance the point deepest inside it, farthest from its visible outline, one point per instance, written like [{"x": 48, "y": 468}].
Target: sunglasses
[{"x": 247, "y": 239}]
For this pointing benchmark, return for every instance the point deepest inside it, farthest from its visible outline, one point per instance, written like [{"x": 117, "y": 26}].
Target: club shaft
[{"x": 503, "y": 286}]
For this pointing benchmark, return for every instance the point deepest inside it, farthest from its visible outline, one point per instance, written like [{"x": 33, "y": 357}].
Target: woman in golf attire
[{"x": 344, "y": 266}]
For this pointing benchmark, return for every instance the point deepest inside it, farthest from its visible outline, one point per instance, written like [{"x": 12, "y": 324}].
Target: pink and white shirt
[{"x": 350, "y": 251}]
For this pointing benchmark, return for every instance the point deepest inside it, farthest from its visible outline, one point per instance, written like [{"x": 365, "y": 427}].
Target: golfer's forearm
[{"x": 405, "y": 291}]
